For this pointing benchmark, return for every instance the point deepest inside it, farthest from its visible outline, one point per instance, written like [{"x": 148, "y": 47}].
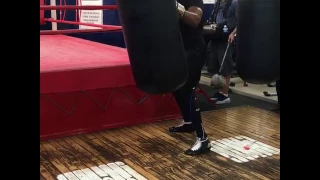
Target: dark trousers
[
  {"x": 278, "y": 90},
  {"x": 185, "y": 96}
]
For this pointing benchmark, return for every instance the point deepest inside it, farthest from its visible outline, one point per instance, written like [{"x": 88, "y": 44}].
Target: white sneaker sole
[{"x": 226, "y": 101}]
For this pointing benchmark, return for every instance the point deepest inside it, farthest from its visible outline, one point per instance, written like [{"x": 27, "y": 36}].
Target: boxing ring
[{"x": 87, "y": 86}]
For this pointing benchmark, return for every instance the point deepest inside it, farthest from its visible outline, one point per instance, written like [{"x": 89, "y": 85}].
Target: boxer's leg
[
  {"x": 184, "y": 104},
  {"x": 186, "y": 101}
]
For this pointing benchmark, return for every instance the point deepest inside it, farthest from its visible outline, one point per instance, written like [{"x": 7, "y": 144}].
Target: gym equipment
[
  {"x": 232, "y": 84},
  {"x": 271, "y": 85},
  {"x": 217, "y": 80},
  {"x": 154, "y": 44},
  {"x": 258, "y": 41},
  {"x": 269, "y": 94}
]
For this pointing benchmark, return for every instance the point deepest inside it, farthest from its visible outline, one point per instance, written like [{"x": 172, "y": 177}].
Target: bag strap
[
  {"x": 226, "y": 9},
  {"x": 213, "y": 16},
  {"x": 214, "y": 12}
]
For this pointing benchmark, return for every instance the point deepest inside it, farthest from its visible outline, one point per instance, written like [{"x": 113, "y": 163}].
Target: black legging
[
  {"x": 185, "y": 96},
  {"x": 278, "y": 90}
]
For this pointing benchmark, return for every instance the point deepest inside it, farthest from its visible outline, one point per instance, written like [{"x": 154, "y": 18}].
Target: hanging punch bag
[
  {"x": 154, "y": 44},
  {"x": 258, "y": 41}
]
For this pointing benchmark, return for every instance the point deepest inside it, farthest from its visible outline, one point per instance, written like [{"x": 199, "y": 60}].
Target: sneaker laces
[
  {"x": 183, "y": 123},
  {"x": 198, "y": 144}
]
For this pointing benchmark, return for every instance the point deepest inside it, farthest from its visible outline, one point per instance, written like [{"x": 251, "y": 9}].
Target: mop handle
[{"x": 224, "y": 57}]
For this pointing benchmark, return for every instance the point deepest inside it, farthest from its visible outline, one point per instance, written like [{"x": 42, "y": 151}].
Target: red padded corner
[
  {"x": 69, "y": 64},
  {"x": 87, "y": 86},
  {"x": 42, "y": 13}
]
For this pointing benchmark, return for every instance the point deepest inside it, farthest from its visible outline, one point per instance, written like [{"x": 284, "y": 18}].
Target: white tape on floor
[
  {"x": 242, "y": 149},
  {"x": 111, "y": 171}
]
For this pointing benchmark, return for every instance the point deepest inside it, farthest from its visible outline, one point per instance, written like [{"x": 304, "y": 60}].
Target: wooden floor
[{"x": 155, "y": 154}]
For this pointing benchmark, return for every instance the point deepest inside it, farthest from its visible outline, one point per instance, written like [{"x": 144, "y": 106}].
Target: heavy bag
[
  {"x": 154, "y": 44},
  {"x": 258, "y": 41}
]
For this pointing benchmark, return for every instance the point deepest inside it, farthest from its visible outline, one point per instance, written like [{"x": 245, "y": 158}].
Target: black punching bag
[
  {"x": 258, "y": 41},
  {"x": 154, "y": 44}
]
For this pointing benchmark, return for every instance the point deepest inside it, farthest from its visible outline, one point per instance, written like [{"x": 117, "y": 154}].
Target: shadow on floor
[{"x": 236, "y": 100}]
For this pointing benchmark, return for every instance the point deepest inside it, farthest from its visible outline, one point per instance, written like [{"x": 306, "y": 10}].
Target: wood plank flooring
[{"x": 153, "y": 153}]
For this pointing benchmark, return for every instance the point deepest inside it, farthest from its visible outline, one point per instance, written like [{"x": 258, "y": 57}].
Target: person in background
[
  {"x": 224, "y": 13},
  {"x": 277, "y": 108},
  {"x": 191, "y": 26}
]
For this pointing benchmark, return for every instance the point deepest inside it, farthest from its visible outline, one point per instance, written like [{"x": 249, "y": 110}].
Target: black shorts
[{"x": 217, "y": 50}]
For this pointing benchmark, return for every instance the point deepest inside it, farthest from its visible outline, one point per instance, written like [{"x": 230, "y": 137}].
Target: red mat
[
  {"x": 87, "y": 86},
  {"x": 60, "y": 55}
]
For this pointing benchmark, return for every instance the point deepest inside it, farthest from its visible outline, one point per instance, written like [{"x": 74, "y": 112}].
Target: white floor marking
[
  {"x": 61, "y": 177},
  {"x": 120, "y": 163},
  {"x": 242, "y": 149},
  {"x": 99, "y": 171},
  {"x": 80, "y": 175},
  {"x": 236, "y": 160},
  {"x": 91, "y": 175},
  {"x": 111, "y": 171},
  {"x": 119, "y": 170},
  {"x": 220, "y": 152},
  {"x": 70, "y": 176},
  {"x": 227, "y": 150},
  {"x": 133, "y": 173},
  {"x": 233, "y": 147},
  {"x": 107, "y": 178},
  {"x": 223, "y": 152}
]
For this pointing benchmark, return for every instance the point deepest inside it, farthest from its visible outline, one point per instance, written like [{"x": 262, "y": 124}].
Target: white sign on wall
[
  {"x": 209, "y": 1},
  {"x": 90, "y": 16}
]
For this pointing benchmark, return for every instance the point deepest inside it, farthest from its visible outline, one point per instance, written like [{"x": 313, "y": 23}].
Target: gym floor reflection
[{"x": 149, "y": 152}]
